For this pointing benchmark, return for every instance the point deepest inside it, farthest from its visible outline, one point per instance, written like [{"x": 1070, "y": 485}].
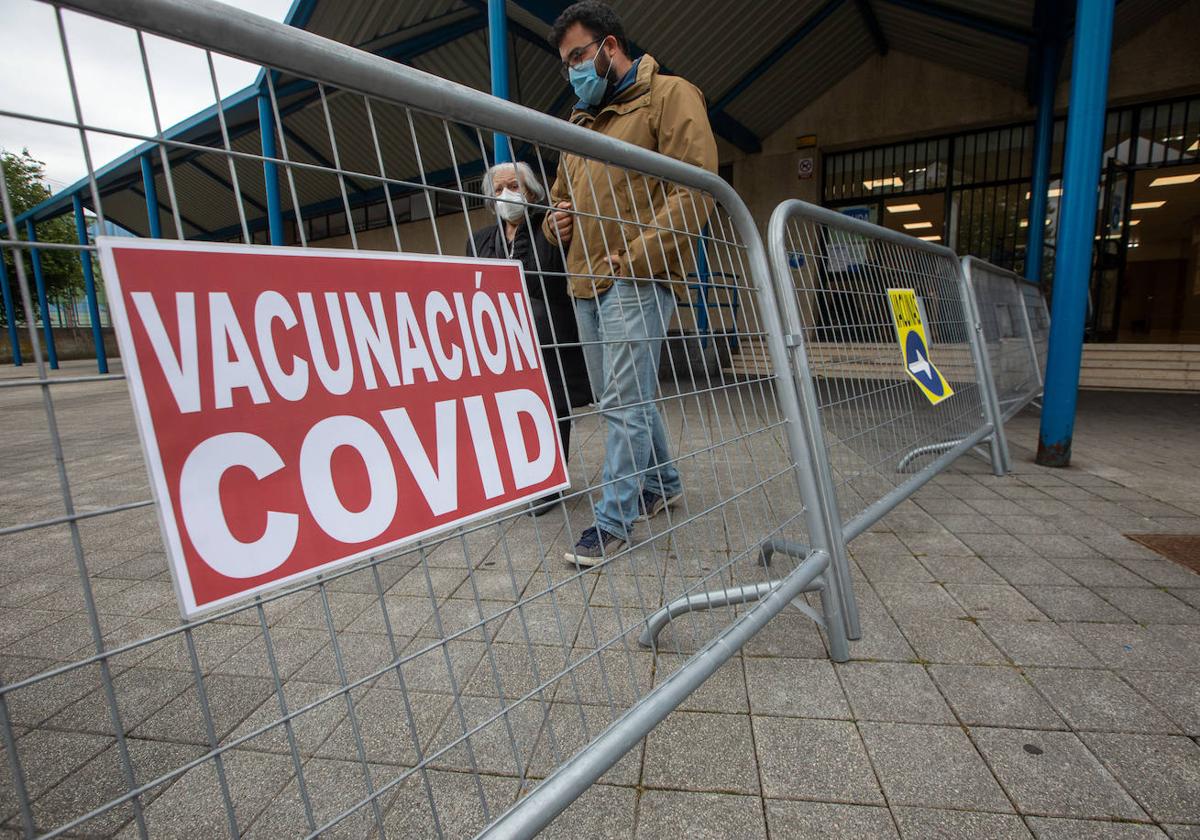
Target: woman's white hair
[{"x": 525, "y": 178}]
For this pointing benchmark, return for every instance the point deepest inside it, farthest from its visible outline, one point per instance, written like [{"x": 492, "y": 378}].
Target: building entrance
[
  {"x": 1146, "y": 282},
  {"x": 971, "y": 190}
]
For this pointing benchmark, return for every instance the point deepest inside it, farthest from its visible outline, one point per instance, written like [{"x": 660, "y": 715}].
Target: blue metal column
[
  {"x": 89, "y": 285},
  {"x": 266, "y": 128},
  {"x": 151, "y": 191},
  {"x": 1076, "y": 227},
  {"x": 498, "y": 50},
  {"x": 1043, "y": 140},
  {"x": 36, "y": 258},
  {"x": 10, "y": 313}
]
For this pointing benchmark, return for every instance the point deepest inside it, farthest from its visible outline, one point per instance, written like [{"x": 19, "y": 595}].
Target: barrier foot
[
  {"x": 929, "y": 449},
  {"x": 791, "y": 549},
  {"x": 717, "y": 598},
  {"x": 934, "y": 448},
  {"x": 794, "y": 549}
]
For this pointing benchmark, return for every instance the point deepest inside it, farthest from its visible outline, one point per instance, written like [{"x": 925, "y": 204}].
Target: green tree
[{"x": 24, "y": 178}]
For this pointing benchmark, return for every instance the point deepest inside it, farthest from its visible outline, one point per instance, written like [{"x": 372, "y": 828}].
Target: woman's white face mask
[{"x": 510, "y": 204}]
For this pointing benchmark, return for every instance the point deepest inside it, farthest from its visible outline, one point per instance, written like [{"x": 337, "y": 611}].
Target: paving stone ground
[{"x": 1025, "y": 669}]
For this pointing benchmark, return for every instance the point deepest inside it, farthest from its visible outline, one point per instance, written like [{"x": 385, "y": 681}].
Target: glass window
[{"x": 402, "y": 209}]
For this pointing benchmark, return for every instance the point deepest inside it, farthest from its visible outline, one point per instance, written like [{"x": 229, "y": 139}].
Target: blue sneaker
[
  {"x": 595, "y": 544},
  {"x": 651, "y": 504}
]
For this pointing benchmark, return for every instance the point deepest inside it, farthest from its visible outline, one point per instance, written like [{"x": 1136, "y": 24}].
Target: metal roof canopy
[{"x": 753, "y": 83}]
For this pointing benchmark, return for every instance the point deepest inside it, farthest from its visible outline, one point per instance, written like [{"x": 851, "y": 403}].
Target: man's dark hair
[{"x": 596, "y": 17}]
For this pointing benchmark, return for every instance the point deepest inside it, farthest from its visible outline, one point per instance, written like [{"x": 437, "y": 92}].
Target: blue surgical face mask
[{"x": 589, "y": 87}]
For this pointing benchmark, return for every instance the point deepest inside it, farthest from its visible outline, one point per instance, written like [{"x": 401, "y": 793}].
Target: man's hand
[
  {"x": 562, "y": 223},
  {"x": 614, "y": 262}
]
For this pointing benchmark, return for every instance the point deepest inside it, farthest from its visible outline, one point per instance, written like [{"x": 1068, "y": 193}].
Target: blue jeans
[{"x": 622, "y": 331}]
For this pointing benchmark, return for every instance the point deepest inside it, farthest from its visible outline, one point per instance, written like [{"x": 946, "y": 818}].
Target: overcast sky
[{"x": 112, "y": 85}]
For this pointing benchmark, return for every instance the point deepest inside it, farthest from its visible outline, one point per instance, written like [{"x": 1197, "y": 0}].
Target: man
[{"x": 627, "y": 257}]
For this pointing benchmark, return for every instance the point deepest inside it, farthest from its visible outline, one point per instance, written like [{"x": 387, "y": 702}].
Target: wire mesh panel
[
  {"x": 417, "y": 693},
  {"x": 1038, "y": 315},
  {"x": 833, "y": 275},
  {"x": 1000, "y": 304}
]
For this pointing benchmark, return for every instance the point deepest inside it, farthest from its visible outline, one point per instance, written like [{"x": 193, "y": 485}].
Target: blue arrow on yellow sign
[{"x": 914, "y": 346}]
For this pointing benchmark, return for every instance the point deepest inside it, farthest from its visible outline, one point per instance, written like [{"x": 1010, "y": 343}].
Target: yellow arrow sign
[{"x": 914, "y": 346}]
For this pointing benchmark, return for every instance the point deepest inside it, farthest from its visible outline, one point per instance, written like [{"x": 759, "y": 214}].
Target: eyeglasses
[{"x": 575, "y": 58}]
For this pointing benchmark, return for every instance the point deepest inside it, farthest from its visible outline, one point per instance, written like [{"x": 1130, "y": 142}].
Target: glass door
[{"x": 1112, "y": 245}]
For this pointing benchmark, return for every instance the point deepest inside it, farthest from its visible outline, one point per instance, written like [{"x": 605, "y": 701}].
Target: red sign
[{"x": 302, "y": 408}]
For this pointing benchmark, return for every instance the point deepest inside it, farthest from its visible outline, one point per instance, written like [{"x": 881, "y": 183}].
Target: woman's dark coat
[{"x": 553, "y": 312}]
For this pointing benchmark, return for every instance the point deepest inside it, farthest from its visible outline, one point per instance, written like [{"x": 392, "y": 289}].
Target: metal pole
[
  {"x": 810, "y": 404},
  {"x": 89, "y": 285},
  {"x": 151, "y": 191},
  {"x": 498, "y": 51},
  {"x": 10, "y": 313},
  {"x": 1043, "y": 137},
  {"x": 43, "y": 303},
  {"x": 1077, "y": 224},
  {"x": 1001, "y": 463},
  {"x": 266, "y": 128},
  {"x": 702, "y": 277}
]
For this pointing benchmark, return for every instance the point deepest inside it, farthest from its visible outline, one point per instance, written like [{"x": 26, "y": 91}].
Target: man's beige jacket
[{"x": 639, "y": 219}]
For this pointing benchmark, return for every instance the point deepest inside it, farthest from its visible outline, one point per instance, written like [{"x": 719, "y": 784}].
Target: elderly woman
[{"x": 518, "y": 235}]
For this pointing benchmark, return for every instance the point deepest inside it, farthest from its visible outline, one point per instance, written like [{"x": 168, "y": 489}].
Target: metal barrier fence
[
  {"x": 475, "y": 684},
  {"x": 832, "y": 275},
  {"x": 1001, "y": 301}
]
